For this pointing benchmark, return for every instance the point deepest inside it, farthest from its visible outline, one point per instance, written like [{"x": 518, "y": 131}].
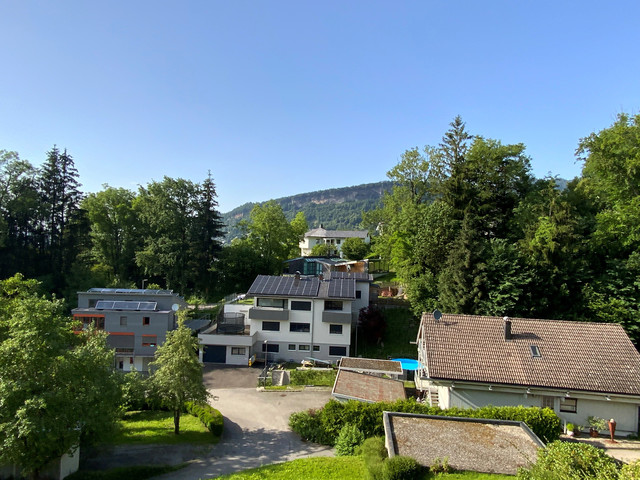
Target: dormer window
[{"x": 535, "y": 351}]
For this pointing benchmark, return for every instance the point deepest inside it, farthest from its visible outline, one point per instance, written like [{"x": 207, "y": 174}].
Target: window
[
  {"x": 146, "y": 320},
  {"x": 316, "y": 348},
  {"x": 92, "y": 302},
  {"x": 130, "y": 360},
  {"x": 535, "y": 351},
  {"x": 238, "y": 350},
  {"x": 304, "y": 348},
  {"x": 332, "y": 305},
  {"x": 338, "y": 351},
  {"x": 271, "y": 326},
  {"x": 271, "y": 347},
  {"x": 548, "y": 402},
  {"x": 569, "y": 405},
  {"x": 298, "y": 305},
  {"x": 299, "y": 327},
  {"x": 335, "y": 329},
  {"x": 123, "y": 320},
  {"x": 124, "y": 350},
  {"x": 149, "y": 340},
  {"x": 338, "y": 242},
  {"x": 272, "y": 302},
  {"x": 292, "y": 347},
  {"x": 358, "y": 294}
]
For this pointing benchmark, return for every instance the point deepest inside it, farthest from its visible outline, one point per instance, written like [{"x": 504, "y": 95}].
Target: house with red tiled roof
[{"x": 579, "y": 369}]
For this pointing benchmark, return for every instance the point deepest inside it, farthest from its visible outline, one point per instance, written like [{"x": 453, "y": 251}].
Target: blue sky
[{"x": 284, "y": 97}]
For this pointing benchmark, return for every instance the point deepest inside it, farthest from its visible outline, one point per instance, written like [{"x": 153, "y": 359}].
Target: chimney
[
  {"x": 507, "y": 329},
  {"x": 297, "y": 278}
]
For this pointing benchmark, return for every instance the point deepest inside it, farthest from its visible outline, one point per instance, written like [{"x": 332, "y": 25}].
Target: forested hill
[{"x": 336, "y": 208}]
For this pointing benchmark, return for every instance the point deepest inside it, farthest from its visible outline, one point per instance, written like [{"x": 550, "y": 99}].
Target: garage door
[{"x": 215, "y": 354}]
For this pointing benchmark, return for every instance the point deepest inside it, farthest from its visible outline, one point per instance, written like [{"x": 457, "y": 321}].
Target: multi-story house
[
  {"x": 335, "y": 238},
  {"x": 292, "y": 318},
  {"x": 137, "y": 321}
]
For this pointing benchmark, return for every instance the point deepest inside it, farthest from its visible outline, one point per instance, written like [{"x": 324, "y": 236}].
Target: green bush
[
  {"x": 209, "y": 416},
  {"x": 367, "y": 417},
  {"x": 630, "y": 471},
  {"x": 373, "y": 453},
  {"x": 568, "y": 461},
  {"x": 325, "y": 377},
  {"x": 348, "y": 440},
  {"x": 401, "y": 468},
  {"x": 134, "y": 391}
]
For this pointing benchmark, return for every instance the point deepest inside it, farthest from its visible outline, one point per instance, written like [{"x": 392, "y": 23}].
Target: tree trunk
[{"x": 176, "y": 422}]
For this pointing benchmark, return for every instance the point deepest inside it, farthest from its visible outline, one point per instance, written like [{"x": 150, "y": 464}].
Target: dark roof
[
  {"x": 371, "y": 365},
  {"x": 321, "y": 232},
  {"x": 369, "y": 388},
  {"x": 597, "y": 357},
  {"x": 360, "y": 276},
  {"x": 304, "y": 286}
]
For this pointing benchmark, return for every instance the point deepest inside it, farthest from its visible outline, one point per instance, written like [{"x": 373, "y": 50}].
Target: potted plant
[
  {"x": 595, "y": 425},
  {"x": 570, "y": 429}
]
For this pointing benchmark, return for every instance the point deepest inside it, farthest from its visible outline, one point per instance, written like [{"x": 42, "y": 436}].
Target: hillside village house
[
  {"x": 292, "y": 318},
  {"x": 318, "y": 236},
  {"x": 579, "y": 369},
  {"x": 137, "y": 321}
]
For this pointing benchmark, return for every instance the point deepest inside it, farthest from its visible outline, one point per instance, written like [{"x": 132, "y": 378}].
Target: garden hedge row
[
  {"x": 325, "y": 377},
  {"x": 324, "y": 425},
  {"x": 209, "y": 416}
]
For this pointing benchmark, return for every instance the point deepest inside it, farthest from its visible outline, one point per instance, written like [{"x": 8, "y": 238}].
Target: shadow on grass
[{"x": 139, "y": 472}]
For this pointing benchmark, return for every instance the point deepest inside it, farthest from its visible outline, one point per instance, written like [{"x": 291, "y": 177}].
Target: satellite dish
[
  {"x": 437, "y": 314},
  {"x": 175, "y": 307}
]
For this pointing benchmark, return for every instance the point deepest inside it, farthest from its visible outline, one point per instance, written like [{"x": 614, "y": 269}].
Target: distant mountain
[{"x": 335, "y": 209}]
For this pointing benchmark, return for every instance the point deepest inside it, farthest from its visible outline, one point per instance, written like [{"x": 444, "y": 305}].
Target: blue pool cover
[{"x": 407, "y": 363}]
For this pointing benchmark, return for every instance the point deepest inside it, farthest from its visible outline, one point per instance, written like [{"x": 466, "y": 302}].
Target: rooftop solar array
[
  {"x": 135, "y": 291},
  {"x": 111, "y": 305},
  {"x": 342, "y": 288},
  {"x": 285, "y": 286}
]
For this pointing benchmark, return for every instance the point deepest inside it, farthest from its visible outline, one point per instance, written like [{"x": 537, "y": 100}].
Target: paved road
[{"x": 256, "y": 431}]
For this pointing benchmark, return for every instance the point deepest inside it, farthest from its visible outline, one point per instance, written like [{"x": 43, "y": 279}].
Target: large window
[
  {"x": 332, "y": 305},
  {"x": 272, "y": 302},
  {"x": 299, "y": 327},
  {"x": 335, "y": 329},
  {"x": 271, "y": 347},
  {"x": 569, "y": 405},
  {"x": 298, "y": 305},
  {"x": 271, "y": 326},
  {"x": 238, "y": 350},
  {"x": 304, "y": 348},
  {"x": 338, "y": 351}
]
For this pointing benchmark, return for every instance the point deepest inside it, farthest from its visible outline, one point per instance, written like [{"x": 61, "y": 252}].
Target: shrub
[
  {"x": 367, "y": 417},
  {"x": 133, "y": 389},
  {"x": 568, "y": 460},
  {"x": 373, "y": 453},
  {"x": 348, "y": 440},
  {"x": 440, "y": 465},
  {"x": 630, "y": 471},
  {"x": 401, "y": 468},
  {"x": 309, "y": 426},
  {"x": 209, "y": 416}
]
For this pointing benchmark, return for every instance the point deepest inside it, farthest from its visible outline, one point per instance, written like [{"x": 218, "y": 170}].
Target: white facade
[{"x": 335, "y": 238}]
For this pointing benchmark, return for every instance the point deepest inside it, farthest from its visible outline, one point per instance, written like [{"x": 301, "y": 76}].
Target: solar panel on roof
[
  {"x": 285, "y": 286},
  {"x": 342, "y": 288},
  {"x": 120, "y": 305}
]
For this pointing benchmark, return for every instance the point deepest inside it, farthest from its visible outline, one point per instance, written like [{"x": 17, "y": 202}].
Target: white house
[
  {"x": 292, "y": 318},
  {"x": 335, "y": 238},
  {"x": 579, "y": 369},
  {"x": 136, "y": 320}
]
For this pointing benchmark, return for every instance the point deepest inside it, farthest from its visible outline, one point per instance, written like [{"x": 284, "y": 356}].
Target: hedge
[
  {"x": 325, "y": 377},
  {"x": 324, "y": 425},
  {"x": 209, "y": 416}
]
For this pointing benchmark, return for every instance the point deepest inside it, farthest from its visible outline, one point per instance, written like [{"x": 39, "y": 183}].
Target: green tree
[
  {"x": 299, "y": 227},
  {"x": 115, "y": 228},
  {"x": 324, "y": 250},
  {"x": 177, "y": 372},
  {"x": 354, "y": 248},
  {"x": 57, "y": 388},
  {"x": 238, "y": 267}
]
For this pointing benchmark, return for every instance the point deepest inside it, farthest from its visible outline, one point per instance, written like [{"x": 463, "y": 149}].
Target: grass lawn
[
  {"x": 402, "y": 328},
  {"x": 157, "y": 427},
  {"x": 337, "y": 468},
  {"x": 137, "y": 472}
]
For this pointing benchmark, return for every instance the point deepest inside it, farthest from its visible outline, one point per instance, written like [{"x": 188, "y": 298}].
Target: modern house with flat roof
[
  {"x": 578, "y": 369},
  {"x": 137, "y": 321},
  {"x": 293, "y": 317}
]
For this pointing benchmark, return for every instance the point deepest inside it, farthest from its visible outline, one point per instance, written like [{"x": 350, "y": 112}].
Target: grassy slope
[
  {"x": 336, "y": 468},
  {"x": 157, "y": 427}
]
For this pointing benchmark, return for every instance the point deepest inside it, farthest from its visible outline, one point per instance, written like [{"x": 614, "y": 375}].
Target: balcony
[
  {"x": 257, "y": 313},
  {"x": 336, "y": 317}
]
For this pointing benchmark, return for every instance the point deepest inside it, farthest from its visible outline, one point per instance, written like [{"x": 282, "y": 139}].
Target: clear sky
[{"x": 285, "y": 97}]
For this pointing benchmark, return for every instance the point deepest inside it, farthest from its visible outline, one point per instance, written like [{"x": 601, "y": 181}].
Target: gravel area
[{"x": 468, "y": 445}]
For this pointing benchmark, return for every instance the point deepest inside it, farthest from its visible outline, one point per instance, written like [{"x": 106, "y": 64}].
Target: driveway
[{"x": 255, "y": 433}]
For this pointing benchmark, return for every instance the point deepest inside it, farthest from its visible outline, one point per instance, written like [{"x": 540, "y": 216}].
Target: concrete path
[{"x": 256, "y": 431}]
